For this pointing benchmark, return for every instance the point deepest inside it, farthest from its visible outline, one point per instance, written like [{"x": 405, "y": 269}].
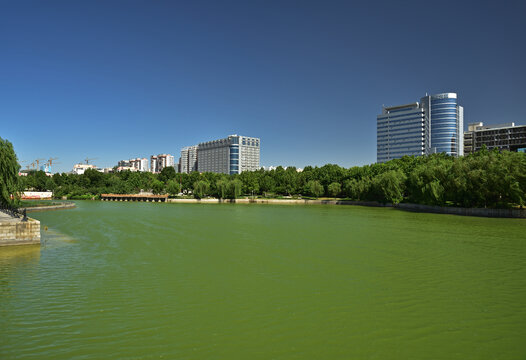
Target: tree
[
  {"x": 157, "y": 187},
  {"x": 314, "y": 188},
  {"x": 173, "y": 188},
  {"x": 334, "y": 189},
  {"x": 9, "y": 167},
  {"x": 167, "y": 173},
  {"x": 235, "y": 188},
  {"x": 222, "y": 188},
  {"x": 41, "y": 180},
  {"x": 389, "y": 186},
  {"x": 201, "y": 189}
]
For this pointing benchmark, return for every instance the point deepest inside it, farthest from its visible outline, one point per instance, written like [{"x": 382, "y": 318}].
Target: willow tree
[{"x": 8, "y": 173}]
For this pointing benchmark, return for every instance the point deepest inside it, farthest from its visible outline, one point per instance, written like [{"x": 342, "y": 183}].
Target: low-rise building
[
  {"x": 506, "y": 136},
  {"x": 79, "y": 169}
]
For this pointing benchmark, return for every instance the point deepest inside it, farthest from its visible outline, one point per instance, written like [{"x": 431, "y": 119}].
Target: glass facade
[
  {"x": 234, "y": 158},
  {"x": 444, "y": 124},
  {"x": 435, "y": 125},
  {"x": 400, "y": 131}
]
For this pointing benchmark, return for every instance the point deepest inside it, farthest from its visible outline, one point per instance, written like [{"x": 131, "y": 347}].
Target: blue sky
[{"x": 119, "y": 79}]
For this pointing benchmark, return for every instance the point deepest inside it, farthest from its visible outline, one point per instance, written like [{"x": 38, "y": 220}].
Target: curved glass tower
[
  {"x": 446, "y": 123},
  {"x": 435, "y": 125}
]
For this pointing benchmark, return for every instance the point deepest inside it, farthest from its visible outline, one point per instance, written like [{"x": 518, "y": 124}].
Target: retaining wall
[
  {"x": 503, "y": 213},
  {"x": 51, "y": 207},
  {"x": 278, "y": 201},
  {"x": 19, "y": 232}
]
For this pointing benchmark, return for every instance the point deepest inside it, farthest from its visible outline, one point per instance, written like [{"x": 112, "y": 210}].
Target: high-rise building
[
  {"x": 231, "y": 155},
  {"x": 154, "y": 168},
  {"x": 188, "y": 160},
  {"x": 401, "y": 130},
  {"x": 124, "y": 163},
  {"x": 435, "y": 125},
  {"x": 501, "y": 136},
  {"x": 139, "y": 164},
  {"x": 159, "y": 162}
]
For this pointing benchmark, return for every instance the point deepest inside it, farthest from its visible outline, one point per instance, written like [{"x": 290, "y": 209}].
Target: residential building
[
  {"x": 140, "y": 164},
  {"x": 159, "y": 162},
  {"x": 231, "y": 155},
  {"x": 506, "y": 136},
  {"x": 79, "y": 169},
  {"x": 188, "y": 159},
  {"x": 433, "y": 125},
  {"x": 153, "y": 164},
  {"x": 126, "y": 168}
]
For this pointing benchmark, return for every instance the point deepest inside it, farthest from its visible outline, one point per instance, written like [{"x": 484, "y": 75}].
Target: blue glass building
[
  {"x": 435, "y": 125},
  {"x": 446, "y": 120}
]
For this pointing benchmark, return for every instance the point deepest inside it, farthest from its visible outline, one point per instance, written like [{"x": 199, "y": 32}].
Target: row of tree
[{"x": 483, "y": 179}]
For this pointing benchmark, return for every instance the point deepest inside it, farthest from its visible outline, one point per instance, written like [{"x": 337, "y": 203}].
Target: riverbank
[
  {"x": 479, "y": 212},
  {"x": 14, "y": 231},
  {"x": 55, "y": 206}
]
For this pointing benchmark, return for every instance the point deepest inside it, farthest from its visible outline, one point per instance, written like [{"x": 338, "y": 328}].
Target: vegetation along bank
[{"x": 486, "y": 179}]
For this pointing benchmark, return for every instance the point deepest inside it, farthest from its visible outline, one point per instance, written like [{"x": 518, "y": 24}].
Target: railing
[{"x": 13, "y": 211}]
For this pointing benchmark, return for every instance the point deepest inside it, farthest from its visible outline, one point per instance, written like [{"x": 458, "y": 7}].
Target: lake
[{"x": 122, "y": 280}]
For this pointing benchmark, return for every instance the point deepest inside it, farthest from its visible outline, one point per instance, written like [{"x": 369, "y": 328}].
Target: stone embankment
[
  {"x": 504, "y": 213},
  {"x": 66, "y": 205},
  {"x": 14, "y": 231},
  {"x": 278, "y": 201}
]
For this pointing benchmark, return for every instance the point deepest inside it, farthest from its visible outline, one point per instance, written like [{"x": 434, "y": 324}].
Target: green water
[{"x": 190, "y": 281}]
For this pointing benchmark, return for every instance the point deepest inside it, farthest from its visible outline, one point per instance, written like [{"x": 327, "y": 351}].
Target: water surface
[{"x": 192, "y": 281}]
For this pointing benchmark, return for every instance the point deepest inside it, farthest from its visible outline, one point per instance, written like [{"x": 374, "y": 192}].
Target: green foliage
[
  {"x": 389, "y": 186},
  {"x": 334, "y": 189},
  {"x": 157, "y": 187},
  {"x": 201, "y": 189},
  {"x": 235, "y": 188},
  {"x": 173, "y": 188},
  {"x": 167, "y": 173},
  {"x": 484, "y": 179},
  {"x": 314, "y": 188},
  {"x": 9, "y": 167}
]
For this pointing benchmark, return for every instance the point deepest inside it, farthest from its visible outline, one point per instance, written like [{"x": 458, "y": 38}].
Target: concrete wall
[
  {"x": 503, "y": 213},
  {"x": 19, "y": 232},
  {"x": 278, "y": 201},
  {"x": 51, "y": 207}
]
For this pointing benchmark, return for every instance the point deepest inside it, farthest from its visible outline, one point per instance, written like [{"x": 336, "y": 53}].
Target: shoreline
[
  {"x": 478, "y": 212},
  {"x": 61, "y": 206}
]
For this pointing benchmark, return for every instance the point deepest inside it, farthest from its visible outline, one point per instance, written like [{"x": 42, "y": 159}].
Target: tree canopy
[
  {"x": 483, "y": 179},
  {"x": 9, "y": 167}
]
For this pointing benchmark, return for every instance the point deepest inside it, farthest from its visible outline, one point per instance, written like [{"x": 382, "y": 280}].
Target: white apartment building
[
  {"x": 231, "y": 155},
  {"x": 139, "y": 164},
  {"x": 188, "y": 160},
  {"x": 159, "y": 162}
]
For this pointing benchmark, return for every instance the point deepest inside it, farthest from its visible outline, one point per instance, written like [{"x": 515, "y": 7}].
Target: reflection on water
[
  {"x": 143, "y": 280},
  {"x": 14, "y": 256}
]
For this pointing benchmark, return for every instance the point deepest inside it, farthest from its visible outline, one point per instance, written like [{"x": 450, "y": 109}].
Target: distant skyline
[{"x": 115, "y": 80}]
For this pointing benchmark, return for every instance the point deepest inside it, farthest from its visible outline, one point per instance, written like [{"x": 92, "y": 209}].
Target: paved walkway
[{"x": 5, "y": 218}]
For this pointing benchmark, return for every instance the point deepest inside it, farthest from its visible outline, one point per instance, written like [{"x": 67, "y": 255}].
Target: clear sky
[{"x": 119, "y": 79}]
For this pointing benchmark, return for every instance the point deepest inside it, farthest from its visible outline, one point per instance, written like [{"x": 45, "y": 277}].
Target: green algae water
[{"x": 191, "y": 281}]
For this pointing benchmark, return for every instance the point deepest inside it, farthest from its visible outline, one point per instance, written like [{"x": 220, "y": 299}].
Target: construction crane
[
  {"x": 87, "y": 160},
  {"x": 38, "y": 162},
  {"x": 50, "y": 161}
]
